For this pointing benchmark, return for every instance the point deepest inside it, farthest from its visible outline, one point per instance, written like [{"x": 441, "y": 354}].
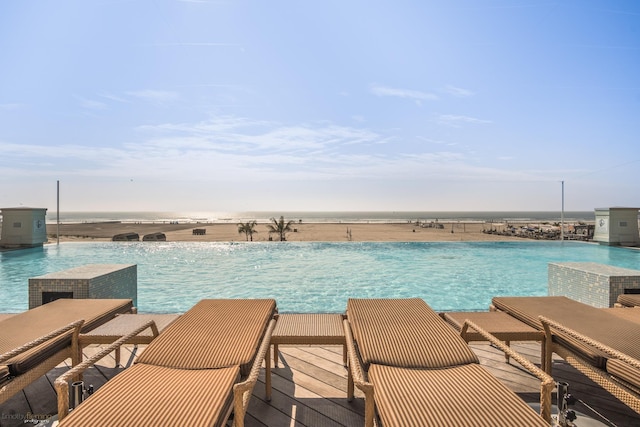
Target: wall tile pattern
[
  {"x": 88, "y": 281},
  {"x": 592, "y": 283}
]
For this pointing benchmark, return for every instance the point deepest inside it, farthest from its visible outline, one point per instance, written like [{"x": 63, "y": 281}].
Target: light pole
[
  {"x": 58, "y": 212},
  {"x": 562, "y": 214}
]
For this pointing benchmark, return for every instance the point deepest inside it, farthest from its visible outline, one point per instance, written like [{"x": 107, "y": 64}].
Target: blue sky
[{"x": 328, "y": 105}]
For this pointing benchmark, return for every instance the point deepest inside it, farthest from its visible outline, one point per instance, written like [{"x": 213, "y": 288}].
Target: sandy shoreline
[{"x": 305, "y": 232}]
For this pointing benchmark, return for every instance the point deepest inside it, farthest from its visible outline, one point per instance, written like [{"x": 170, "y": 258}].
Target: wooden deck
[{"x": 309, "y": 389}]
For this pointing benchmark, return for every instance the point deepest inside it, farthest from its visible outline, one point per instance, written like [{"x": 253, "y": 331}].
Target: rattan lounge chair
[
  {"x": 122, "y": 325},
  {"x": 628, "y": 300},
  {"x": 629, "y": 313},
  {"x": 195, "y": 373},
  {"x": 6, "y": 316},
  {"x": 415, "y": 370},
  {"x": 601, "y": 345},
  {"x": 37, "y": 340}
]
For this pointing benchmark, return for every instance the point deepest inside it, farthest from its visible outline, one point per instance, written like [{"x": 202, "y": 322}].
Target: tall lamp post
[
  {"x": 58, "y": 212},
  {"x": 562, "y": 214}
]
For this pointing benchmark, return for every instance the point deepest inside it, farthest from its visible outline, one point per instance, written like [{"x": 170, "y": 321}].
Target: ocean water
[
  {"x": 313, "y": 277},
  {"x": 316, "y": 217}
]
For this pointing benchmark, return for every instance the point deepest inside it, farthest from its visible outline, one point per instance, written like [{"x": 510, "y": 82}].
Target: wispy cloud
[
  {"x": 416, "y": 95},
  {"x": 112, "y": 97},
  {"x": 437, "y": 141},
  {"x": 458, "y": 91},
  {"x": 11, "y": 107},
  {"x": 156, "y": 96},
  {"x": 246, "y": 150},
  {"x": 265, "y": 150},
  {"x": 69, "y": 159},
  {"x": 215, "y": 125},
  {"x": 90, "y": 103},
  {"x": 457, "y": 121},
  {"x": 192, "y": 44},
  {"x": 230, "y": 133}
]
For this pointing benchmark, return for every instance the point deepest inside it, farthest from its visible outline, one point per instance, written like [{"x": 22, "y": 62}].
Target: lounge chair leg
[
  {"x": 238, "y": 414},
  {"x": 275, "y": 355},
  {"x": 369, "y": 408},
  {"x": 267, "y": 373},
  {"x": 117, "y": 357},
  {"x": 349, "y": 385},
  {"x": 76, "y": 359},
  {"x": 546, "y": 362},
  {"x": 344, "y": 354}
]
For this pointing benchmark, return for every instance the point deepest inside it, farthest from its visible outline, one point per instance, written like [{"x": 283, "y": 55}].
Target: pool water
[{"x": 313, "y": 277}]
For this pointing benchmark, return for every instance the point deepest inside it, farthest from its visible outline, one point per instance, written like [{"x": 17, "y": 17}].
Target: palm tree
[
  {"x": 248, "y": 228},
  {"x": 280, "y": 227}
]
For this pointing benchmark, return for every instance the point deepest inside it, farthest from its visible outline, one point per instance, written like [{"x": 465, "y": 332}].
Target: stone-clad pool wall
[
  {"x": 592, "y": 283},
  {"x": 88, "y": 281}
]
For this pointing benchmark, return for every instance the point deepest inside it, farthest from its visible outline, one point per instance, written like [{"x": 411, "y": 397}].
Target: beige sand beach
[{"x": 307, "y": 232}]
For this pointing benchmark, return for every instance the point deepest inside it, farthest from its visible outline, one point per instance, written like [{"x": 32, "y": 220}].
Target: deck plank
[
  {"x": 305, "y": 408},
  {"x": 334, "y": 375},
  {"x": 317, "y": 395},
  {"x": 309, "y": 388},
  {"x": 41, "y": 387}
]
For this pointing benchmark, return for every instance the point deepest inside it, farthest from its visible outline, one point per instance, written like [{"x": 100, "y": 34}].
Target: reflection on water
[{"x": 313, "y": 277}]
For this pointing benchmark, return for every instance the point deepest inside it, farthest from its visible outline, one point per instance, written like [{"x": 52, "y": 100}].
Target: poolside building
[
  {"x": 617, "y": 226},
  {"x": 23, "y": 227}
]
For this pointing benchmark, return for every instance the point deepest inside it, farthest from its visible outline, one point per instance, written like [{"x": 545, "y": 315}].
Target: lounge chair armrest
[
  {"x": 61, "y": 383},
  {"x": 356, "y": 376},
  {"x": 546, "y": 381},
  {"x": 355, "y": 366},
  {"x": 75, "y": 326},
  {"x": 242, "y": 391},
  {"x": 548, "y": 324}
]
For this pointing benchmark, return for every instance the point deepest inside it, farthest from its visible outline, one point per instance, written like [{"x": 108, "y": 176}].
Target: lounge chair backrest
[
  {"x": 405, "y": 333},
  {"x": 429, "y": 397},
  {"x": 618, "y": 333},
  {"x": 156, "y": 397},
  {"x": 193, "y": 341},
  {"x": 629, "y": 300},
  {"x": 624, "y": 371},
  {"x": 40, "y": 321},
  {"x": 629, "y": 313}
]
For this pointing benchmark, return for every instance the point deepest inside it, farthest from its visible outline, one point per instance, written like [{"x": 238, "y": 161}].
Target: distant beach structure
[
  {"x": 323, "y": 217},
  {"x": 22, "y": 227},
  {"x": 126, "y": 237},
  {"x": 154, "y": 237}
]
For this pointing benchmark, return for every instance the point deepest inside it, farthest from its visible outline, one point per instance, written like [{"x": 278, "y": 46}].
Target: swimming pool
[{"x": 313, "y": 277}]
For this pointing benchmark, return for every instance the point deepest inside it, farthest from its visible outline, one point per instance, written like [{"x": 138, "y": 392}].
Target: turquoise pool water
[{"x": 313, "y": 277}]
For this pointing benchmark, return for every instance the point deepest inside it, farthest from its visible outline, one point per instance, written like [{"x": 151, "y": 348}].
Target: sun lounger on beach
[
  {"x": 35, "y": 341},
  {"x": 415, "y": 370},
  {"x": 202, "y": 367},
  {"x": 600, "y": 344},
  {"x": 126, "y": 237}
]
